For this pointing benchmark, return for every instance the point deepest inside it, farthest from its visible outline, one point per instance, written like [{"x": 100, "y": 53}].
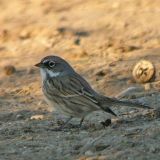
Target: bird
[{"x": 69, "y": 93}]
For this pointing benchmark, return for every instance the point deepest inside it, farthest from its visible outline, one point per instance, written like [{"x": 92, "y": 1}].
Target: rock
[
  {"x": 77, "y": 41},
  {"x": 25, "y": 34},
  {"x": 37, "y": 117},
  {"x": 19, "y": 116},
  {"x": 89, "y": 153},
  {"x": 101, "y": 147},
  {"x": 117, "y": 120},
  {"x": 106, "y": 123},
  {"x": 9, "y": 69},
  {"x": 100, "y": 73},
  {"x": 147, "y": 86},
  {"x": 4, "y": 35}
]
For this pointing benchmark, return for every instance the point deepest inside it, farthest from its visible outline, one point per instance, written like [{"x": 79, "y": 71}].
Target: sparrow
[{"x": 69, "y": 93}]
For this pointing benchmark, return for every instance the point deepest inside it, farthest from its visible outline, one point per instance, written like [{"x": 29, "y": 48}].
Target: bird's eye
[{"x": 51, "y": 64}]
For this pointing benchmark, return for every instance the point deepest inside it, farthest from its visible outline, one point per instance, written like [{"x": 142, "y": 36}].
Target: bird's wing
[
  {"x": 77, "y": 90},
  {"x": 81, "y": 87},
  {"x": 77, "y": 86},
  {"x": 73, "y": 86}
]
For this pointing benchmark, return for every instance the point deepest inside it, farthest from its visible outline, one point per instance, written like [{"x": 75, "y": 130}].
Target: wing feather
[{"x": 73, "y": 86}]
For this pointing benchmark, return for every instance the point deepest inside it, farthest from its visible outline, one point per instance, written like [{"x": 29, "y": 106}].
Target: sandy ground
[{"x": 102, "y": 40}]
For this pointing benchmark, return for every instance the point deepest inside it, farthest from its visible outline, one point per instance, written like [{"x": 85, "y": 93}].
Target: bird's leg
[
  {"x": 63, "y": 125},
  {"x": 81, "y": 121},
  {"x": 66, "y": 122}
]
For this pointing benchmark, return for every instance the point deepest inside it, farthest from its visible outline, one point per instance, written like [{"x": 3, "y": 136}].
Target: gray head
[{"x": 54, "y": 66}]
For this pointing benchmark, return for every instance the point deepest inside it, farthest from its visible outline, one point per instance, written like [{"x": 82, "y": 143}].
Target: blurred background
[{"x": 102, "y": 39}]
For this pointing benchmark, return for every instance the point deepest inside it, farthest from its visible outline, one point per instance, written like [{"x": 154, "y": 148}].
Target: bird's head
[{"x": 54, "y": 66}]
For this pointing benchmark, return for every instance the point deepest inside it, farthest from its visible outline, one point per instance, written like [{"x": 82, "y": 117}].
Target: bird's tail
[
  {"x": 107, "y": 102},
  {"x": 116, "y": 102},
  {"x": 108, "y": 110}
]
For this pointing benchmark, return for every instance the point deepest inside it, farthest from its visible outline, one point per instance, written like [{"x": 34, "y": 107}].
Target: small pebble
[
  {"x": 24, "y": 34},
  {"x": 9, "y": 69},
  {"x": 106, "y": 123},
  {"x": 147, "y": 86},
  {"x": 89, "y": 153},
  {"x": 19, "y": 116},
  {"x": 117, "y": 120},
  {"x": 37, "y": 117},
  {"x": 77, "y": 41}
]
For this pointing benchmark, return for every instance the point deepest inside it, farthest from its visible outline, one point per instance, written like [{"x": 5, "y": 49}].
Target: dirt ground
[{"x": 103, "y": 40}]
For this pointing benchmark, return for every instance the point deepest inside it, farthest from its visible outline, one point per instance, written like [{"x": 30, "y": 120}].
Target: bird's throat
[{"x": 48, "y": 74}]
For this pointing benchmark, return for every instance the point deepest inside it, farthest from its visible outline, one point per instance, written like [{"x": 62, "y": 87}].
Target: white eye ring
[{"x": 51, "y": 64}]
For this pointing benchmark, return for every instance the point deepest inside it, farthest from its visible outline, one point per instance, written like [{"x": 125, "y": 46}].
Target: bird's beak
[{"x": 38, "y": 64}]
